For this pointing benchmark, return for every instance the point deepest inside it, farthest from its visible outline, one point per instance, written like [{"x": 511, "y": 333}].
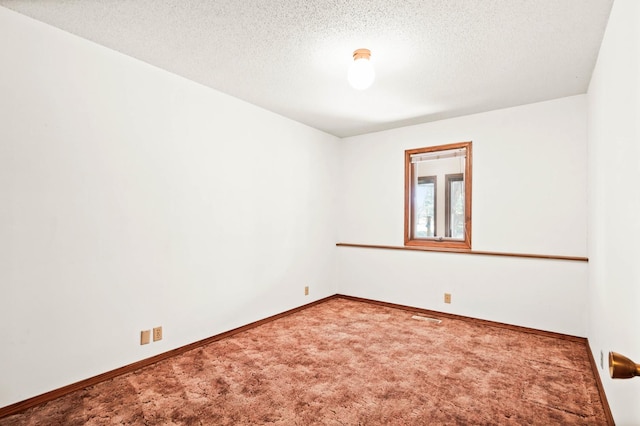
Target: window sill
[{"x": 439, "y": 245}]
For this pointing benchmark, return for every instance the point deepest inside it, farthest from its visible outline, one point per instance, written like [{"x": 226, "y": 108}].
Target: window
[{"x": 438, "y": 216}]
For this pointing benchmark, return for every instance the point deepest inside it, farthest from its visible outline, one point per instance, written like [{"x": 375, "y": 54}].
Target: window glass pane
[
  {"x": 424, "y": 205},
  {"x": 457, "y": 209}
]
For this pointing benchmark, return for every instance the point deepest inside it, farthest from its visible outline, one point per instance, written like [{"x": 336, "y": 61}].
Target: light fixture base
[{"x": 361, "y": 54}]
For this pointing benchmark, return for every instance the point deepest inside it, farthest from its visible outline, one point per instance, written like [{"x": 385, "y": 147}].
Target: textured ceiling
[{"x": 433, "y": 58}]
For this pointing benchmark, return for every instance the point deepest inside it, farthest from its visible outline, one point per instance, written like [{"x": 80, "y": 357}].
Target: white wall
[
  {"x": 529, "y": 196},
  {"x": 131, "y": 198},
  {"x": 614, "y": 204}
]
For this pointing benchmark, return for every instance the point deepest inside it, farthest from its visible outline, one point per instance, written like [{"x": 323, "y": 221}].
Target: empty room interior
[{"x": 173, "y": 171}]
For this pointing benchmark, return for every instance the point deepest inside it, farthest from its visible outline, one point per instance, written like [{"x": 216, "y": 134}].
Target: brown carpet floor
[{"x": 344, "y": 362}]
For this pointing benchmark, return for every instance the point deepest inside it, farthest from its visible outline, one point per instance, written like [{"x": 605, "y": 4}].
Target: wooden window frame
[{"x": 438, "y": 242}]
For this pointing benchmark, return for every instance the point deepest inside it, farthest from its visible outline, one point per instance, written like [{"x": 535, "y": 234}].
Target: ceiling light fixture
[{"x": 361, "y": 74}]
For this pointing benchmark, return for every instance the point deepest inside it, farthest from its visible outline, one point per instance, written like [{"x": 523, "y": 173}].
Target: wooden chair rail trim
[{"x": 464, "y": 251}]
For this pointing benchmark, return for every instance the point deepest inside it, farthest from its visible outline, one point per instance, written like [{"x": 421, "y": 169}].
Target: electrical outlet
[
  {"x": 145, "y": 337},
  {"x": 447, "y": 298},
  {"x": 306, "y": 290},
  {"x": 157, "y": 333}
]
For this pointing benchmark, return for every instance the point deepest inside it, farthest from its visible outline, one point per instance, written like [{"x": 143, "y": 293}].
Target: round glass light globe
[{"x": 361, "y": 74}]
